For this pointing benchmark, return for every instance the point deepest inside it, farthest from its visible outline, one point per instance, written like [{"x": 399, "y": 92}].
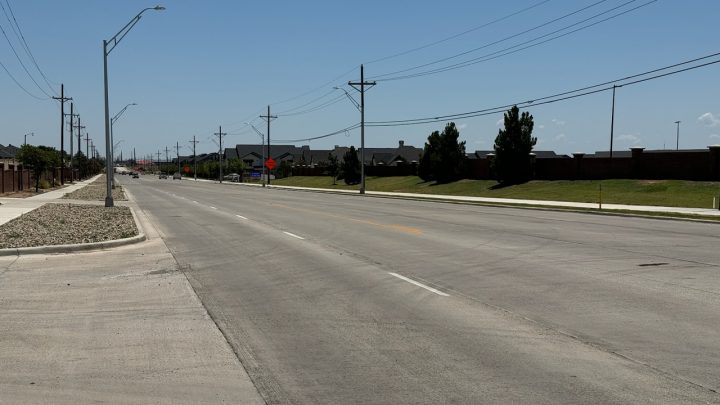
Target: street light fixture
[
  {"x": 112, "y": 134},
  {"x": 108, "y": 46},
  {"x": 29, "y": 133}
]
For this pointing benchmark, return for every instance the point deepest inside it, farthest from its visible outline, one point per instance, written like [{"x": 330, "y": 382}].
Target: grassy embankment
[{"x": 669, "y": 193}]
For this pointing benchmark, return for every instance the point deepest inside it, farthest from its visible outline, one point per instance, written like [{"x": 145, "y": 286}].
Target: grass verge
[{"x": 668, "y": 193}]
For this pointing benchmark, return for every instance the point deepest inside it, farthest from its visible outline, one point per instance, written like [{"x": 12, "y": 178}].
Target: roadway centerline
[
  {"x": 419, "y": 284},
  {"x": 293, "y": 235}
]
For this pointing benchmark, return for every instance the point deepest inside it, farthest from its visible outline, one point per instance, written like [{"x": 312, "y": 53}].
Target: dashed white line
[
  {"x": 240, "y": 216},
  {"x": 213, "y": 207},
  {"x": 196, "y": 202},
  {"x": 293, "y": 235},
  {"x": 419, "y": 284}
]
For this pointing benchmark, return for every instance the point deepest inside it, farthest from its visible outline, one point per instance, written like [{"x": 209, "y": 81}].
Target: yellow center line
[{"x": 393, "y": 227}]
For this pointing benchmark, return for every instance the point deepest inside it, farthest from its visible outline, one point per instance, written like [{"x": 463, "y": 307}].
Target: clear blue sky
[{"x": 198, "y": 65}]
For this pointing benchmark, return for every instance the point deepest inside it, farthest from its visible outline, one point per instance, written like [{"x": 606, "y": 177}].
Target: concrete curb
[{"x": 79, "y": 247}]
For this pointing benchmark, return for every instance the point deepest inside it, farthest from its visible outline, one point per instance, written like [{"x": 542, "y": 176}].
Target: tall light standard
[
  {"x": 29, "y": 133},
  {"x": 677, "y": 136},
  {"x": 108, "y": 46},
  {"x": 262, "y": 137},
  {"x": 112, "y": 151}
]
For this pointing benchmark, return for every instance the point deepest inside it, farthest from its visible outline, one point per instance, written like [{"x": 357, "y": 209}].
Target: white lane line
[
  {"x": 195, "y": 202},
  {"x": 419, "y": 284},
  {"x": 213, "y": 207},
  {"x": 240, "y": 216},
  {"x": 293, "y": 235}
]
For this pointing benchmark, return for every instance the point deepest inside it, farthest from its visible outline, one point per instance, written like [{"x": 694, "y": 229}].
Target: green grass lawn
[{"x": 670, "y": 193}]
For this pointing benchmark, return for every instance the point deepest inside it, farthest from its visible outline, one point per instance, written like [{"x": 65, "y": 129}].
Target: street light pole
[
  {"x": 108, "y": 146},
  {"x": 262, "y": 138},
  {"x": 112, "y": 141},
  {"x": 677, "y": 136}
]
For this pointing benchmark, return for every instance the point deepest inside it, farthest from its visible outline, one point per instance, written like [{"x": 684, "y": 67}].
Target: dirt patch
[{"x": 648, "y": 182}]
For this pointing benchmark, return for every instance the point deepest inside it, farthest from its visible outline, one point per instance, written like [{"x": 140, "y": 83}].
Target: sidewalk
[
  {"x": 122, "y": 325},
  {"x": 11, "y": 208}
]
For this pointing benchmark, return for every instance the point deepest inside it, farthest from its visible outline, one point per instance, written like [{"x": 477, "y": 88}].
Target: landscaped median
[{"x": 84, "y": 224}]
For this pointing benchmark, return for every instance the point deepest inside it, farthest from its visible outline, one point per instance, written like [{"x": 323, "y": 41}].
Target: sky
[{"x": 200, "y": 65}]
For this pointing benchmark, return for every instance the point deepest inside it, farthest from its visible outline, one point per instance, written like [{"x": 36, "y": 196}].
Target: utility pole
[
  {"x": 166, "y": 159},
  {"x": 220, "y": 134},
  {"x": 79, "y": 134},
  {"x": 194, "y": 142},
  {"x": 134, "y": 157},
  {"x": 177, "y": 147},
  {"x": 362, "y": 84},
  {"x": 29, "y": 133},
  {"x": 62, "y": 100},
  {"x": 612, "y": 123},
  {"x": 268, "y": 118},
  {"x": 677, "y": 136},
  {"x": 72, "y": 140},
  {"x": 87, "y": 145},
  {"x": 158, "y": 161}
]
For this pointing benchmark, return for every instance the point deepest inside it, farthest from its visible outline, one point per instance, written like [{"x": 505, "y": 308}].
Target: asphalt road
[{"x": 335, "y": 299}]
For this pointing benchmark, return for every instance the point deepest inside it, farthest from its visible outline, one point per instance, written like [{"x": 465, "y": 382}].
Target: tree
[
  {"x": 40, "y": 158},
  {"x": 513, "y": 145},
  {"x": 443, "y": 158},
  {"x": 350, "y": 167},
  {"x": 333, "y": 167}
]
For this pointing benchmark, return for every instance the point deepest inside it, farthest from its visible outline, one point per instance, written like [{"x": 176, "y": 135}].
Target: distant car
[
  {"x": 162, "y": 176},
  {"x": 135, "y": 176},
  {"x": 232, "y": 177},
  {"x": 177, "y": 176}
]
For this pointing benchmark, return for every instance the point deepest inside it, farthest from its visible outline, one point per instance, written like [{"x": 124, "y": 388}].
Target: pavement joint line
[
  {"x": 411, "y": 281},
  {"x": 293, "y": 235},
  {"x": 240, "y": 216}
]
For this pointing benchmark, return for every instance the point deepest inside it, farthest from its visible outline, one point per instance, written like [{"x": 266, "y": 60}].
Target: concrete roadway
[{"x": 346, "y": 299}]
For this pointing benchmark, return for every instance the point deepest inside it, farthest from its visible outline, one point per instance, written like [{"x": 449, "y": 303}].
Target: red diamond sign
[{"x": 270, "y": 163}]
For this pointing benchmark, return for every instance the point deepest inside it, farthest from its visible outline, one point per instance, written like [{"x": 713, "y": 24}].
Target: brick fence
[{"x": 699, "y": 165}]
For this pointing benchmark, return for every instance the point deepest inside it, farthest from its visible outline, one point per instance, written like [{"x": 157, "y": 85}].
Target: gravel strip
[
  {"x": 61, "y": 224},
  {"x": 96, "y": 191}
]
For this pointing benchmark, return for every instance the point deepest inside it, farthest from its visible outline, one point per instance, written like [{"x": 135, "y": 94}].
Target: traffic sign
[
  {"x": 270, "y": 163},
  {"x": 186, "y": 169}
]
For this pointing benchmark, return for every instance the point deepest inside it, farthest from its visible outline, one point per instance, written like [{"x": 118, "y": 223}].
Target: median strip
[{"x": 419, "y": 284}]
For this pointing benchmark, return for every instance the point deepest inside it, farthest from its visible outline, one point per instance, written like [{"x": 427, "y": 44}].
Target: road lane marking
[
  {"x": 196, "y": 202},
  {"x": 293, "y": 235},
  {"x": 213, "y": 207},
  {"x": 419, "y": 284},
  {"x": 394, "y": 227},
  {"x": 240, "y": 216}
]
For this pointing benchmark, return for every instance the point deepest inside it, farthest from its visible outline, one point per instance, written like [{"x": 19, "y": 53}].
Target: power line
[
  {"x": 487, "y": 24},
  {"x": 20, "y": 35},
  {"x": 20, "y": 85},
  {"x": 509, "y": 50},
  {"x": 344, "y": 130},
  {"x": 21, "y": 62},
  {"x": 556, "y": 97}
]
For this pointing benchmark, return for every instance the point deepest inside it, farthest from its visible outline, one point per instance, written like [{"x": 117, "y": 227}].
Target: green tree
[
  {"x": 443, "y": 158},
  {"x": 40, "y": 158},
  {"x": 513, "y": 145},
  {"x": 333, "y": 167},
  {"x": 235, "y": 166},
  {"x": 350, "y": 167}
]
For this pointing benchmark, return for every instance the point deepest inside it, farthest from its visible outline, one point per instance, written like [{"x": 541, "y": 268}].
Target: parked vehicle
[
  {"x": 162, "y": 176},
  {"x": 135, "y": 175},
  {"x": 177, "y": 176}
]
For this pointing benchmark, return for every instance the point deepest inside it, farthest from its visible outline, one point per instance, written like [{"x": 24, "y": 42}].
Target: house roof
[{"x": 8, "y": 152}]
